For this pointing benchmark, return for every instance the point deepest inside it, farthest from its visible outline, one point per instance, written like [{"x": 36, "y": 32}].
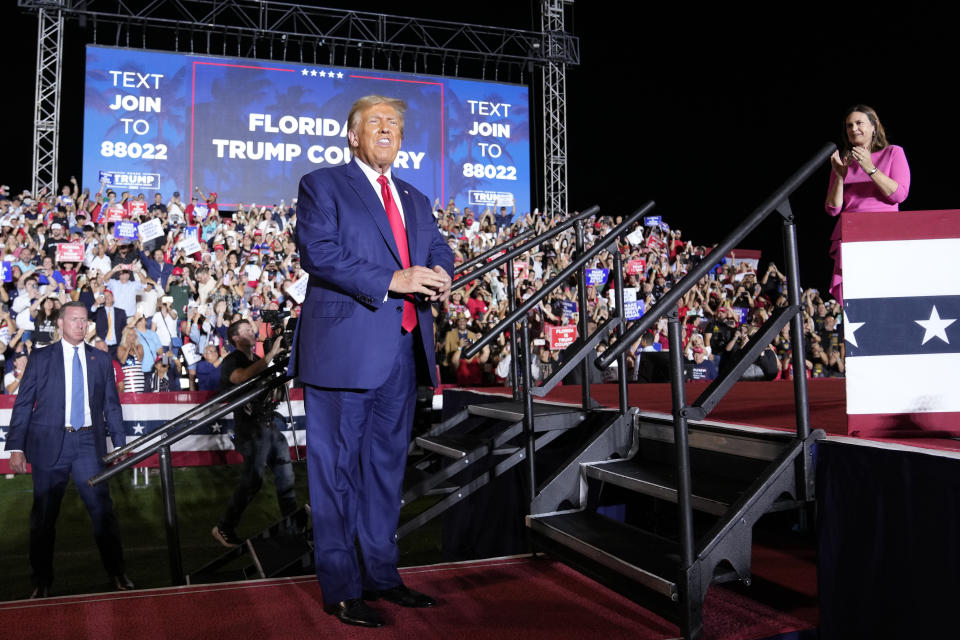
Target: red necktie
[{"x": 400, "y": 236}]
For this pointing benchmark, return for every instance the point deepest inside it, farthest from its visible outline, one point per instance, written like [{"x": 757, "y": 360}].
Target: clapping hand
[
  {"x": 839, "y": 165},
  {"x": 862, "y": 156}
]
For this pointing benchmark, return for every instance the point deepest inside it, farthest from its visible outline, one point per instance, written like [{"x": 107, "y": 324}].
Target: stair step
[
  {"x": 710, "y": 493},
  {"x": 546, "y": 416},
  {"x": 455, "y": 446},
  {"x": 758, "y": 445},
  {"x": 636, "y": 554}
]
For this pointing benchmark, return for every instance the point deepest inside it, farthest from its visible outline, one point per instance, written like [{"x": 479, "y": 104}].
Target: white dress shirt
[
  {"x": 373, "y": 175},
  {"x": 68, "y": 382}
]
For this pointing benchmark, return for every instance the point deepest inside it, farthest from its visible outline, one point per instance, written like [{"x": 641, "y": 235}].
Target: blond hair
[{"x": 364, "y": 103}]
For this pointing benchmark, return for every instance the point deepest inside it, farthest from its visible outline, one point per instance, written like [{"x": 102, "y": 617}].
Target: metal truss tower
[
  {"x": 554, "y": 88},
  {"x": 274, "y": 30},
  {"x": 46, "y": 118}
]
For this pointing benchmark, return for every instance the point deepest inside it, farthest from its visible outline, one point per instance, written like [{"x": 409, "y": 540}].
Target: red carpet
[{"x": 502, "y": 598}]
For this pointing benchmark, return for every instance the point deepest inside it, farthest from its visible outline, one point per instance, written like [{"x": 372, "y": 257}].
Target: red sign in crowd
[{"x": 561, "y": 337}]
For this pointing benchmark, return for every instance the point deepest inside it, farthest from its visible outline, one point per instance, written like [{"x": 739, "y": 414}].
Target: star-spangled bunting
[
  {"x": 138, "y": 429},
  {"x": 935, "y": 327},
  {"x": 902, "y": 326},
  {"x": 3, "y": 434},
  {"x": 850, "y": 330}
]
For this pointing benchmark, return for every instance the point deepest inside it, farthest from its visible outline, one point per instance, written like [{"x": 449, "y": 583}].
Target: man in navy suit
[
  {"x": 65, "y": 405},
  {"x": 110, "y": 320},
  {"x": 376, "y": 260}
]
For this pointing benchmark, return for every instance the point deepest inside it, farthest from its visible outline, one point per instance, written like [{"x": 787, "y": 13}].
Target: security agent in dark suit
[
  {"x": 59, "y": 424},
  {"x": 376, "y": 260}
]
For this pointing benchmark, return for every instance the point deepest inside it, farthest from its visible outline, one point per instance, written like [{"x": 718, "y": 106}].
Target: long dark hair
[{"x": 879, "y": 135}]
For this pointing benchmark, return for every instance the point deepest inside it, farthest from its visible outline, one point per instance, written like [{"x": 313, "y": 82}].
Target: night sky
[{"x": 705, "y": 113}]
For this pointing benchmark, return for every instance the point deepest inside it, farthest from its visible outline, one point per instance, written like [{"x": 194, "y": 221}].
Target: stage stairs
[
  {"x": 480, "y": 442},
  {"x": 285, "y": 548},
  {"x": 611, "y": 513}
]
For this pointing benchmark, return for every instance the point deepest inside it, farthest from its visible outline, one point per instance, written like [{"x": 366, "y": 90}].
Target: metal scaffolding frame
[
  {"x": 554, "y": 87},
  {"x": 268, "y": 29},
  {"x": 46, "y": 117}
]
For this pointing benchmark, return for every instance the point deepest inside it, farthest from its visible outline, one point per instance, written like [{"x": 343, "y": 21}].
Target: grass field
[{"x": 201, "y": 494}]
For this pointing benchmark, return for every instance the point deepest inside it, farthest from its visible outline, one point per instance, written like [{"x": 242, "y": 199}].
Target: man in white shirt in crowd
[{"x": 96, "y": 257}]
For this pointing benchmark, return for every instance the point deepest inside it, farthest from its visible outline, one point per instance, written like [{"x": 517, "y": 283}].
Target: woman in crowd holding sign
[{"x": 869, "y": 174}]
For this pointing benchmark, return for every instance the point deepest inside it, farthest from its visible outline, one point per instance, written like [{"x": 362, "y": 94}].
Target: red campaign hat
[
  {"x": 213, "y": 195},
  {"x": 107, "y": 290},
  {"x": 258, "y": 232},
  {"x": 218, "y": 247},
  {"x": 177, "y": 271}
]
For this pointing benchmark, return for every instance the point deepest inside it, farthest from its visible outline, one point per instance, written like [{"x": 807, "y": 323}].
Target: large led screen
[{"x": 248, "y": 129}]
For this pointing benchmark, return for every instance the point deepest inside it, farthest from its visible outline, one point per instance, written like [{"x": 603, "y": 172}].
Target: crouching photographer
[{"x": 257, "y": 436}]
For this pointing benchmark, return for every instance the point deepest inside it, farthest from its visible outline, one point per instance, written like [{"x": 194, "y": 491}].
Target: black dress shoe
[
  {"x": 123, "y": 583},
  {"x": 40, "y": 592},
  {"x": 355, "y": 612},
  {"x": 401, "y": 595}
]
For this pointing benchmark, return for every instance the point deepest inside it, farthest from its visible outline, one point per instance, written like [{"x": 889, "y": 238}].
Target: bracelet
[{"x": 875, "y": 169}]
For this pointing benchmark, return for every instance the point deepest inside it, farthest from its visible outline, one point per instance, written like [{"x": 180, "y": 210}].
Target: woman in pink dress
[{"x": 869, "y": 174}]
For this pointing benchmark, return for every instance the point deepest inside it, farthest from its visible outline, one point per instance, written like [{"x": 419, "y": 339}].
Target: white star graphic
[
  {"x": 850, "y": 328},
  {"x": 323, "y": 74},
  {"x": 339, "y": 74},
  {"x": 3, "y": 434},
  {"x": 935, "y": 327},
  {"x": 313, "y": 72},
  {"x": 138, "y": 429},
  {"x": 215, "y": 427},
  {"x": 305, "y": 72}
]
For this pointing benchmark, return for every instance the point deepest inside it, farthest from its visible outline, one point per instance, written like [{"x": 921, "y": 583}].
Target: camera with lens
[{"x": 281, "y": 328}]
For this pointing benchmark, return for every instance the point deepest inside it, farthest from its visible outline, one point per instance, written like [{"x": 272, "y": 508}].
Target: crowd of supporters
[
  {"x": 162, "y": 307},
  {"x": 718, "y": 316}
]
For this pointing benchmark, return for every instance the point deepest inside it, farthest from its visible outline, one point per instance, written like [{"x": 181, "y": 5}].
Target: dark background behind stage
[{"x": 704, "y": 112}]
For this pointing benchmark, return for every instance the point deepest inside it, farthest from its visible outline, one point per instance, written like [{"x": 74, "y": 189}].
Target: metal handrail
[
  {"x": 557, "y": 280},
  {"x": 667, "y": 305},
  {"x": 523, "y": 237},
  {"x": 166, "y": 436},
  {"x": 671, "y": 298},
  {"x": 265, "y": 384},
  {"x": 223, "y": 396},
  {"x": 526, "y": 246}
]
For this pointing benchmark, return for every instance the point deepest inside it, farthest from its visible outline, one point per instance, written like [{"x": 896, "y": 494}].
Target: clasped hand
[{"x": 434, "y": 284}]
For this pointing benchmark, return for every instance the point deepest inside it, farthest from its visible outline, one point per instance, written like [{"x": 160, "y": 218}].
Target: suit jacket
[
  {"x": 347, "y": 335},
  {"x": 119, "y": 322},
  {"x": 37, "y": 421}
]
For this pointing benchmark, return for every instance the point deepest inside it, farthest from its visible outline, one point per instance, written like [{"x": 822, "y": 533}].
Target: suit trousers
[
  {"x": 79, "y": 459},
  {"x": 357, "y": 443}
]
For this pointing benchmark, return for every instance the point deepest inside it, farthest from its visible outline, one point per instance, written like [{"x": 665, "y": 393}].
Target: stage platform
[
  {"x": 511, "y": 598},
  {"x": 757, "y": 404}
]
